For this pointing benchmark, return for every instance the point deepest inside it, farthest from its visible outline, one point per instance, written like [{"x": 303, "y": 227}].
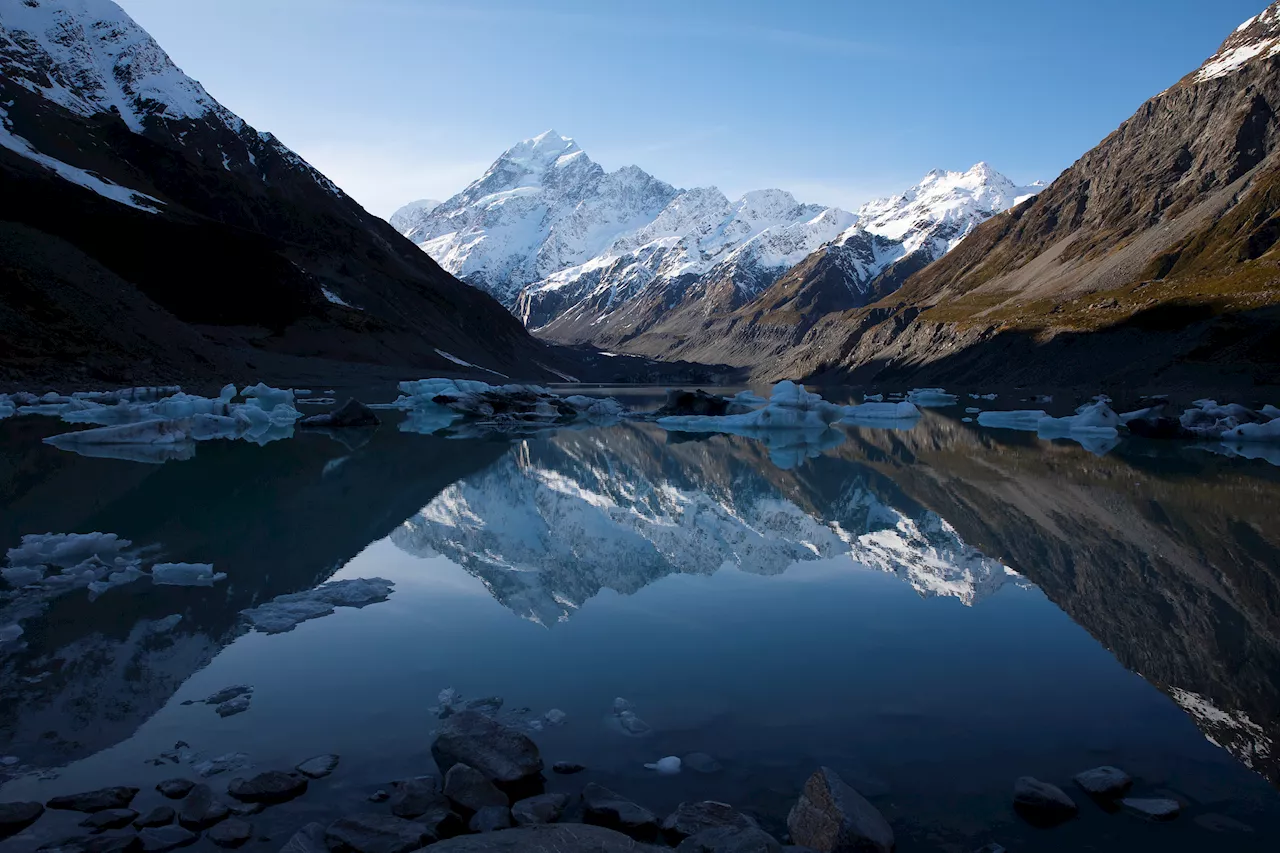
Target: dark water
[{"x": 931, "y": 612}]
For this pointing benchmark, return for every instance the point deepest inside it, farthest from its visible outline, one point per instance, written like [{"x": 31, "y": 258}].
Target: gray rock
[
  {"x": 159, "y": 816},
  {"x": 226, "y": 694},
  {"x": 632, "y": 724},
  {"x": 238, "y": 705},
  {"x": 352, "y": 413},
  {"x": 376, "y": 833},
  {"x": 245, "y": 809},
  {"x": 161, "y": 838},
  {"x": 95, "y": 801},
  {"x": 273, "y": 786},
  {"x": 555, "y": 838},
  {"x": 831, "y": 817},
  {"x": 318, "y": 767},
  {"x": 414, "y": 797},
  {"x": 175, "y": 789},
  {"x": 379, "y": 796},
  {"x": 109, "y": 819},
  {"x": 1042, "y": 804},
  {"x": 1105, "y": 782},
  {"x": 728, "y": 839},
  {"x": 501, "y": 753},
  {"x": 201, "y": 810},
  {"x": 15, "y": 817},
  {"x": 603, "y": 807},
  {"x": 544, "y": 808},
  {"x": 490, "y": 819},
  {"x": 700, "y": 762},
  {"x": 695, "y": 817},
  {"x": 117, "y": 842},
  {"x": 468, "y": 787},
  {"x": 230, "y": 833},
  {"x": 1152, "y": 808},
  {"x": 309, "y": 839},
  {"x": 567, "y": 768}
]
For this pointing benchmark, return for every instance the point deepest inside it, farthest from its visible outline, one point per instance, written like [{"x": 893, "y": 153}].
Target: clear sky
[{"x": 836, "y": 101}]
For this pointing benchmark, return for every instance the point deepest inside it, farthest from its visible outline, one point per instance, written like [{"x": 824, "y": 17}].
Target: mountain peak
[{"x": 1256, "y": 39}]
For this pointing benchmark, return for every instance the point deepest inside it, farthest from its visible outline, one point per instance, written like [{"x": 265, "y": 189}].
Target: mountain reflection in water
[{"x": 1169, "y": 558}]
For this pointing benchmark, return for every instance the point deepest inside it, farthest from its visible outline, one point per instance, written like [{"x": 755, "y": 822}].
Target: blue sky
[{"x": 836, "y": 101}]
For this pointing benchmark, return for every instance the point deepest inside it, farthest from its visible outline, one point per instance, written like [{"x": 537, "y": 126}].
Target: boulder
[
  {"x": 162, "y": 838},
  {"x": 159, "y": 816},
  {"x": 694, "y": 403},
  {"x": 273, "y": 786},
  {"x": 1105, "y": 782},
  {"x": 175, "y": 789},
  {"x": 468, "y": 788},
  {"x": 352, "y": 413},
  {"x": 309, "y": 839},
  {"x": 1152, "y": 808},
  {"x": 201, "y": 809},
  {"x": 95, "y": 801},
  {"x": 226, "y": 694},
  {"x": 232, "y": 832},
  {"x": 318, "y": 767},
  {"x": 567, "y": 768},
  {"x": 115, "y": 842},
  {"x": 490, "y": 819},
  {"x": 109, "y": 819},
  {"x": 238, "y": 705},
  {"x": 376, "y": 833},
  {"x": 15, "y": 817},
  {"x": 501, "y": 753},
  {"x": 554, "y": 838},
  {"x": 1042, "y": 804},
  {"x": 729, "y": 839},
  {"x": 700, "y": 762},
  {"x": 832, "y": 817},
  {"x": 603, "y": 807},
  {"x": 694, "y": 817},
  {"x": 413, "y": 797},
  {"x": 544, "y": 808}
]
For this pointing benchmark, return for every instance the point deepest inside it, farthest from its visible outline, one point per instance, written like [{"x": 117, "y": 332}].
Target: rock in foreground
[
  {"x": 1154, "y": 808},
  {"x": 318, "y": 767},
  {"x": 832, "y": 817},
  {"x": 544, "y": 808},
  {"x": 164, "y": 838},
  {"x": 1105, "y": 782},
  {"x": 468, "y": 787},
  {"x": 603, "y": 807},
  {"x": 376, "y": 833},
  {"x": 273, "y": 786},
  {"x": 95, "y": 801},
  {"x": 502, "y": 754},
  {"x": 557, "y": 838},
  {"x": 15, "y": 817},
  {"x": 692, "y": 818},
  {"x": 309, "y": 839},
  {"x": 1042, "y": 804},
  {"x": 352, "y": 413},
  {"x": 231, "y": 833}
]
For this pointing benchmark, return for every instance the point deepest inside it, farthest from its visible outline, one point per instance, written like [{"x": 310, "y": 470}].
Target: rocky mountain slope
[
  {"x": 1153, "y": 256},
  {"x": 613, "y": 259},
  {"x": 127, "y": 192}
]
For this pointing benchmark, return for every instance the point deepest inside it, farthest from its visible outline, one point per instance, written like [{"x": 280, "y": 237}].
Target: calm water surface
[{"x": 931, "y": 612}]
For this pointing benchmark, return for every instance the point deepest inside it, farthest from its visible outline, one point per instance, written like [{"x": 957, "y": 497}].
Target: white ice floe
[
  {"x": 498, "y": 405},
  {"x": 1094, "y": 425},
  {"x": 878, "y": 414},
  {"x": 932, "y": 398},
  {"x": 185, "y": 574},
  {"x": 1209, "y": 419},
  {"x": 286, "y": 612},
  {"x": 790, "y": 407},
  {"x": 1026, "y": 420},
  {"x": 1264, "y": 432},
  {"x": 65, "y": 549},
  {"x": 668, "y": 766}
]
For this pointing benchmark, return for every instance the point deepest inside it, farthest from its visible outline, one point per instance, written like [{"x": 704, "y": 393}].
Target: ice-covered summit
[
  {"x": 1254, "y": 40},
  {"x": 411, "y": 215}
]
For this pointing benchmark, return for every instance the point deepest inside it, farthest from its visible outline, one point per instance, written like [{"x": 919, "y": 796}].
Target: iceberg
[
  {"x": 502, "y": 405},
  {"x": 286, "y": 612},
  {"x": 265, "y": 397},
  {"x": 932, "y": 398},
  {"x": 1025, "y": 420},
  {"x": 790, "y": 406},
  {"x": 65, "y": 550},
  {"x": 1209, "y": 419},
  {"x": 876, "y": 414},
  {"x": 1253, "y": 432},
  {"x": 185, "y": 574}
]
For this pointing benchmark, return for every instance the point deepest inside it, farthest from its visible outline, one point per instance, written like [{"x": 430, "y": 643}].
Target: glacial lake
[{"x": 931, "y": 612}]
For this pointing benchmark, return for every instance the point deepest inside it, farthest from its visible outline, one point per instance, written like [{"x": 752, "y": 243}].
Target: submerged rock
[
  {"x": 234, "y": 706},
  {"x": 412, "y": 798},
  {"x": 15, "y": 817},
  {"x": 309, "y": 839},
  {"x": 730, "y": 839},
  {"x": 376, "y": 833},
  {"x": 501, "y": 753},
  {"x": 603, "y": 807},
  {"x": 567, "y": 768},
  {"x": 700, "y": 762},
  {"x": 469, "y": 788},
  {"x": 1042, "y": 804},
  {"x": 1152, "y": 808},
  {"x": 1106, "y": 782},
  {"x": 318, "y": 767},
  {"x": 694, "y": 817},
  {"x": 490, "y": 819},
  {"x": 226, "y": 694},
  {"x": 273, "y": 786},
  {"x": 95, "y": 801},
  {"x": 221, "y": 764},
  {"x": 201, "y": 810},
  {"x": 163, "y": 838},
  {"x": 544, "y": 808},
  {"x": 832, "y": 817},
  {"x": 231, "y": 833},
  {"x": 175, "y": 789},
  {"x": 109, "y": 819},
  {"x": 159, "y": 816}
]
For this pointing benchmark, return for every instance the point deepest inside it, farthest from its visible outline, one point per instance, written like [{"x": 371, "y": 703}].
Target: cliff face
[{"x": 1168, "y": 226}]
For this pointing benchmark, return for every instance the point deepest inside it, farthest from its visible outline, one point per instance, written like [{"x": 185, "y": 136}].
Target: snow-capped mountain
[
  {"x": 411, "y": 216},
  {"x": 554, "y": 522},
  {"x": 585, "y": 255},
  {"x": 1256, "y": 39},
  {"x": 101, "y": 133}
]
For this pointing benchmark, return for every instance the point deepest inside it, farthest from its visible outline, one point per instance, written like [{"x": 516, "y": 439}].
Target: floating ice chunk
[
  {"x": 286, "y": 612},
  {"x": 267, "y": 398},
  {"x": 749, "y": 398},
  {"x": 972, "y": 410},
  {"x": 1264, "y": 432},
  {"x": 932, "y": 398},
  {"x": 1094, "y": 417},
  {"x": 20, "y": 576},
  {"x": 873, "y": 398},
  {"x": 428, "y": 419},
  {"x": 1210, "y": 420},
  {"x": 185, "y": 574},
  {"x": 6, "y": 409},
  {"x": 874, "y": 413},
  {"x": 983, "y": 396},
  {"x": 128, "y": 574},
  {"x": 790, "y": 407},
  {"x": 9, "y": 633},
  {"x": 1026, "y": 420},
  {"x": 502, "y": 404},
  {"x": 966, "y": 420},
  {"x": 555, "y": 717},
  {"x": 228, "y": 392},
  {"x": 65, "y": 550},
  {"x": 156, "y": 431},
  {"x": 668, "y": 766},
  {"x": 1269, "y": 411}
]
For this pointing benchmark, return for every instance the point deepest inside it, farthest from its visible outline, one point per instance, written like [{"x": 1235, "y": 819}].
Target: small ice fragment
[
  {"x": 972, "y": 410},
  {"x": 556, "y": 717},
  {"x": 221, "y": 764},
  {"x": 668, "y": 766},
  {"x": 448, "y": 696},
  {"x": 9, "y": 633},
  {"x": 9, "y": 760},
  {"x": 185, "y": 574},
  {"x": 620, "y": 705}
]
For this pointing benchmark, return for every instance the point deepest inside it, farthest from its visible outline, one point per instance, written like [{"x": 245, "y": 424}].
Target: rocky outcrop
[
  {"x": 499, "y": 753},
  {"x": 832, "y": 817}
]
